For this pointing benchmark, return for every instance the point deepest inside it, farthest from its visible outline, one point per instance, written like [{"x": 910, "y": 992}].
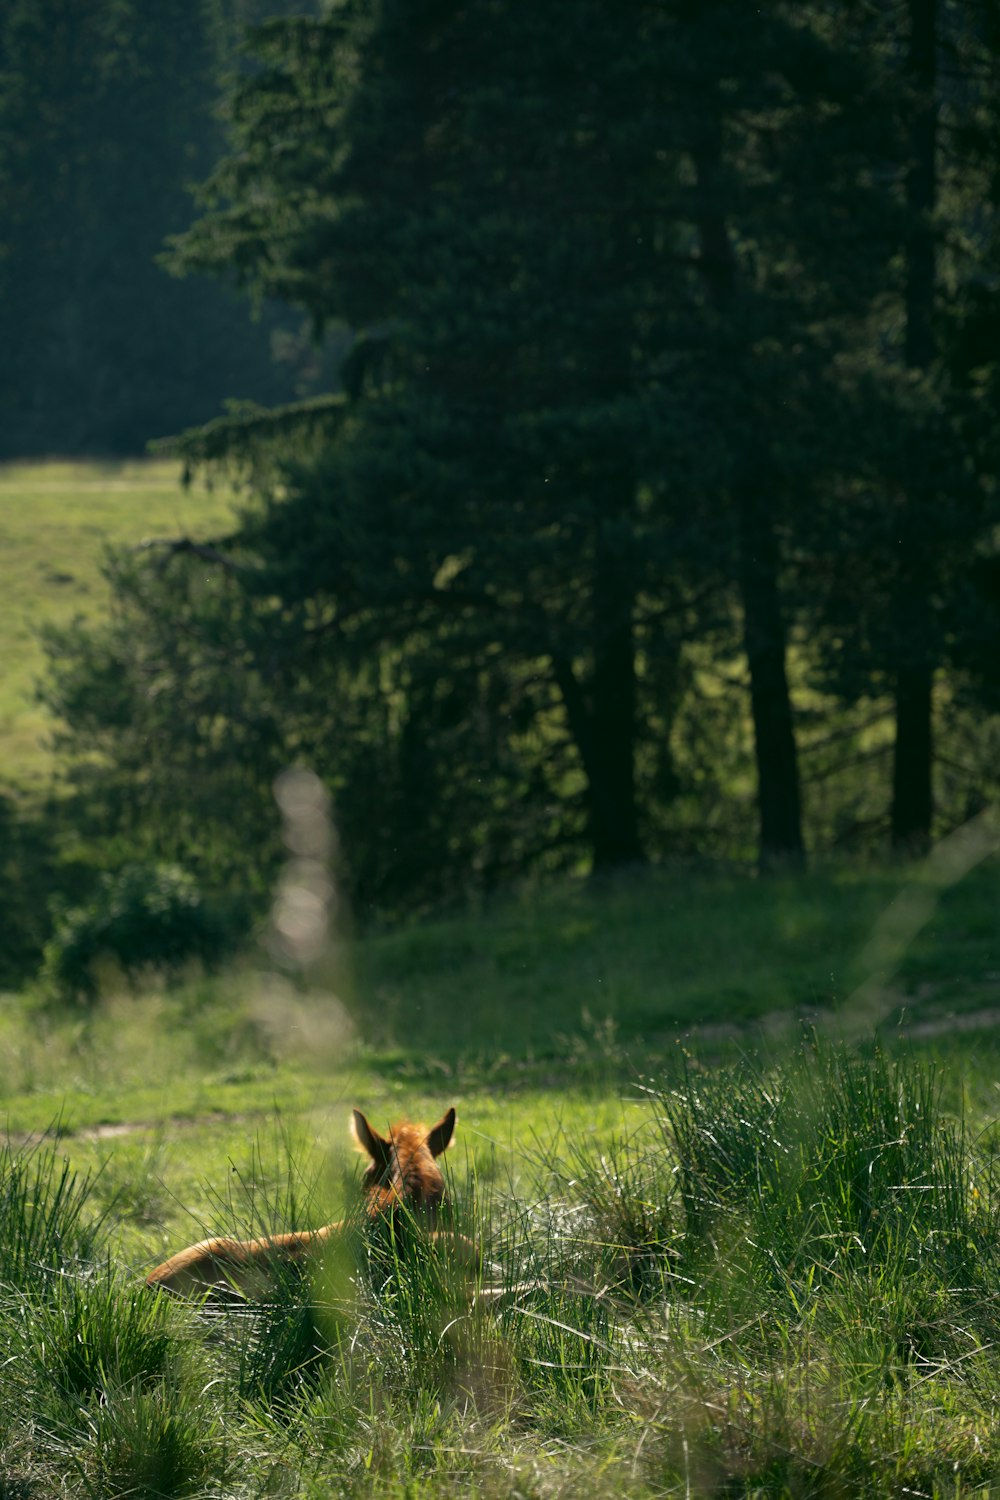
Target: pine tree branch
[{"x": 206, "y": 551}]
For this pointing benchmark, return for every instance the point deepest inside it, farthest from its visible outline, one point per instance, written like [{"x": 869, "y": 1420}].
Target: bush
[{"x": 144, "y": 917}]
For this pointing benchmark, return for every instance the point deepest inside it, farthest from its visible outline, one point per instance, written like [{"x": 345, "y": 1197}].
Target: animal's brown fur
[{"x": 402, "y": 1179}]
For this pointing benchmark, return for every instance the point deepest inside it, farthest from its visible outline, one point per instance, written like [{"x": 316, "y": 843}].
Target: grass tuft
[{"x": 46, "y": 1228}]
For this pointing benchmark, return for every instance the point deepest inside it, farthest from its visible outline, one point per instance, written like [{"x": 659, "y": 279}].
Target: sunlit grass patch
[
  {"x": 779, "y": 1277},
  {"x": 56, "y": 520},
  {"x": 716, "y": 1259}
]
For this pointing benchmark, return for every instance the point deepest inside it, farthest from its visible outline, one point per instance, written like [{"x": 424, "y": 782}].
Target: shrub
[{"x": 143, "y": 917}]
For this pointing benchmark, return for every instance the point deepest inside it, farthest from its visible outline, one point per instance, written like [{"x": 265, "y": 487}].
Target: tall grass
[
  {"x": 829, "y": 1157},
  {"x": 100, "y": 1386},
  {"x": 785, "y": 1282},
  {"x": 45, "y": 1227}
]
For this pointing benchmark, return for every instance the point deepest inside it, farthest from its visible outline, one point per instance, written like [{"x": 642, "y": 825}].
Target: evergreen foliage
[
  {"x": 663, "y": 354},
  {"x": 108, "y": 115}
]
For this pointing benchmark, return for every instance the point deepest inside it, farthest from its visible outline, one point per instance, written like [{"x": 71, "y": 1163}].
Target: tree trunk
[
  {"x": 912, "y": 795},
  {"x": 613, "y": 822},
  {"x": 601, "y": 719},
  {"x": 778, "y": 800},
  {"x": 921, "y": 185}
]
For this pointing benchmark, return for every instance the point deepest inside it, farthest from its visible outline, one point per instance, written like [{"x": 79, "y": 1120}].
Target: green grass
[
  {"x": 728, "y": 1144},
  {"x": 782, "y": 1279},
  {"x": 574, "y": 993},
  {"x": 734, "y": 1244},
  {"x": 56, "y": 520}
]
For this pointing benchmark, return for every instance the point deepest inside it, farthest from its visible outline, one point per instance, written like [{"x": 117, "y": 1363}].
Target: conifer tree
[
  {"x": 629, "y": 373},
  {"x": 106, "y": 118},
  {"x": 590, "y": 258}
]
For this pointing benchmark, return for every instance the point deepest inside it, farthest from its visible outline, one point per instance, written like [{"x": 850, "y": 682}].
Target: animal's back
[{"x": 242, "y": 1266}]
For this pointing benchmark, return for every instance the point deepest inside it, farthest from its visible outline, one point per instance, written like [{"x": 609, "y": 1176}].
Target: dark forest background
[
  {"x": 628, "y": 487},
  {"x": 109, "y": 115}
]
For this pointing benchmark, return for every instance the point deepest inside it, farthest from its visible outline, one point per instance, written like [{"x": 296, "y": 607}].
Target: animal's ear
[
  {"x": 439, "y": 1139},
  {"x": 377, "y": 1147}
]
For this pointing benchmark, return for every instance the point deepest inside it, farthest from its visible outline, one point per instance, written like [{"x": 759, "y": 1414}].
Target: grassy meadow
[
  {"x": 729, "y": 1148},
  {"x": 56, "y": 521},
  {"x": 737, "y": 1203}
]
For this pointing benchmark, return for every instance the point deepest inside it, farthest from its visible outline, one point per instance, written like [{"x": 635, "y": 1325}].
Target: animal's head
[{"x": 403, "y": 1170}]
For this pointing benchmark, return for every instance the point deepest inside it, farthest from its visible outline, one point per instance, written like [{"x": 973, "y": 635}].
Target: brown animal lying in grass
[{"x": 402, "y": 1182}]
